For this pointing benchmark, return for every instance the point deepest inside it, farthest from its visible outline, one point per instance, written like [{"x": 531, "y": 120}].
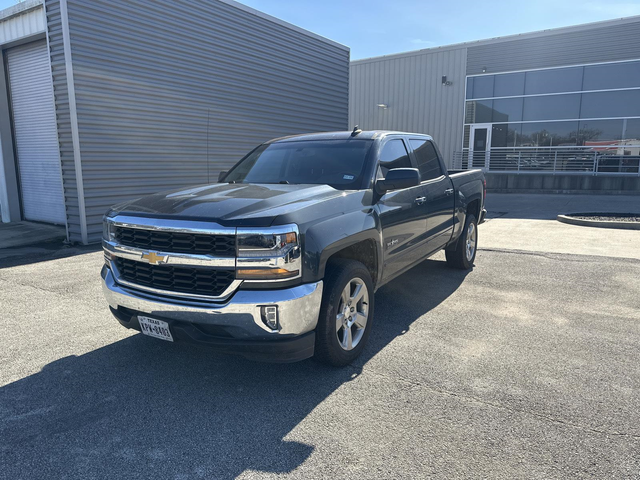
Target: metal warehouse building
[
  {"x": 105, "y": 101},
  {"x": 561, "y": 105}
]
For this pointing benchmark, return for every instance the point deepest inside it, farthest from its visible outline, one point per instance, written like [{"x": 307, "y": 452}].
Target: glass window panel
[
  {"x": 479, "y": 111},
  {"x": 553, "y": 107},
  {"x": 427, "y": 159},
  {"x": 480, "y": 139},
  {"x": 605, "y": 131},
  {"x": 614, "y": 75},
  {"x": 505, "y": 135},
  {"x": 625, "y": 103},
  {"x": 632, "y": 130},
  {"x": 555, "y": 80},
  {"x": 507, "y": 110},
  {"x": 394, "y": 155},
  {"x": 548, "y": 134},
  {"x": 632, "y": 144},
  {"x": 508, "y": 85},
  {"x": 470, "y": 87},
  {"x": 483, "y": 86}
]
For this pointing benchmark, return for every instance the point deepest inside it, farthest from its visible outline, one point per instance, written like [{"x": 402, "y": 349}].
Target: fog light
[{"x": 270, "y": 316}]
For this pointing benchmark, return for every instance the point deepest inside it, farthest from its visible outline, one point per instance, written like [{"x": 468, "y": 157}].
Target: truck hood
[{"x": 231, "y": 204}]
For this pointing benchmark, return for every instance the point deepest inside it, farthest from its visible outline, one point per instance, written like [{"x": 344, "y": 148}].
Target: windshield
[{"x": 339, "y": 163}]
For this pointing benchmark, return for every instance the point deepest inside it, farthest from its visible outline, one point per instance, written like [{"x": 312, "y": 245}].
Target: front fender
[
  {"x": 326, "y": 238},
  {"x": 463, "y": 198}
]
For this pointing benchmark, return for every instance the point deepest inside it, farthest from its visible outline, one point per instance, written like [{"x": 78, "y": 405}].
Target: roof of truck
[{"x": 342, "y": 135}]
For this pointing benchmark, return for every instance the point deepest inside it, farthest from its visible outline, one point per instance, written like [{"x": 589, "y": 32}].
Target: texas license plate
[{"x": 155, "y": 328}]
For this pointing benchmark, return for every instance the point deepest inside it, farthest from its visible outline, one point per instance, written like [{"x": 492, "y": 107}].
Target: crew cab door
[
  {"x": 403, "y": 213},
  {"x": 439, "y": 192}
]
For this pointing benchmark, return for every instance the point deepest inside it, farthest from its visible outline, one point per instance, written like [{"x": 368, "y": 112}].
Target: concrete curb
[{"x": 597, "y": 223}]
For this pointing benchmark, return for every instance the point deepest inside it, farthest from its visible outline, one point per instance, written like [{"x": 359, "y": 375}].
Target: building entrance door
[{"x": 480, "y": 145}]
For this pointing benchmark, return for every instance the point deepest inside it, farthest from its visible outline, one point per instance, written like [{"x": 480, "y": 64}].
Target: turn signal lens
[
  {"x": 265, "y": 273},
  {"x": 291, "y": 238}
]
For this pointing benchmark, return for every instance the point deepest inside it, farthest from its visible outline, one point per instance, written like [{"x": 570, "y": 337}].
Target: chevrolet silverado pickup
[{"x": 280, "y": 259}]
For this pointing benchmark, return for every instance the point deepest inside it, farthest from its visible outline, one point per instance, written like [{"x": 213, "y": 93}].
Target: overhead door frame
[
  {"x": 9, "y": 190},
  {"x": 20, "y": 62}
]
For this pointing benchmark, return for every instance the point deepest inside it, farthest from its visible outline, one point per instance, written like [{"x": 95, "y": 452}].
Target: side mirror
[
  {"x": 221, "y": 176},
  {"x": 397, "y": 179}
]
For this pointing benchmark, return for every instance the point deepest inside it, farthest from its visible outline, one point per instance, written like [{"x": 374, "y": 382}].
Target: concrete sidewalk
[
  {"x": 21, "y": 234},
  {"x": 543, "y": 206},
  {"x": 528, "y": 223}
]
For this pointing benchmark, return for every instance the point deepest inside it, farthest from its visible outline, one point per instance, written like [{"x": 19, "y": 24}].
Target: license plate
[{"x": 155, "y": 328}]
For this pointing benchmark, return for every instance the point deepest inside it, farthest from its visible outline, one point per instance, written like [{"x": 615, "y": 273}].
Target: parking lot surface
[{"x": 525, "y": 367}]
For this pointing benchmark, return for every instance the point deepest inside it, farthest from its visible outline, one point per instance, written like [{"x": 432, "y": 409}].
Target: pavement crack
[
  {"x": 35, "y": 287},
  {"x": 539, "y": 416}
]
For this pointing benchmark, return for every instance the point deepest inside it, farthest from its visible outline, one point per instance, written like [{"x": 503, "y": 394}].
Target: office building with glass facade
[
  {"x": 563, "y": 101},
  {"x": 595, "y": 108}
]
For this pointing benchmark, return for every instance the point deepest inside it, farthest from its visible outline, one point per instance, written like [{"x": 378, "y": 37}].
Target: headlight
[
  {"x": 107, "y": 235},
  {"x": 107, "y": 229},
  {"x": 269, "y": 253}
]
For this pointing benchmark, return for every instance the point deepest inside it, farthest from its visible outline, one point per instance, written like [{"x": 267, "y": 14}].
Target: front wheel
[
  {"x": 465, "y": 253},
  {"x": 346, "y": 314}
]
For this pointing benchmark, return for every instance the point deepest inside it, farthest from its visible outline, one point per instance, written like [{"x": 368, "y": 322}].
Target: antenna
[{"x": 356, "y": 131}]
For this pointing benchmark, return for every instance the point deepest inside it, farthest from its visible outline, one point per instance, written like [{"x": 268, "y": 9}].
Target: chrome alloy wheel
[
  {"x": 353, "y": 313},
  {"x": 472, "y": 238}
]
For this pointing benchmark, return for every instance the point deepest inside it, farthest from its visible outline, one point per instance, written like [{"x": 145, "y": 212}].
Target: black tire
[
  {"x": 458, "y": 258},
  {"x": 338, "y": 274}
]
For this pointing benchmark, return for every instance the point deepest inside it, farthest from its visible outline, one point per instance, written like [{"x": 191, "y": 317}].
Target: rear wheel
[
  {"x": 346, "y": 313},
  {"x": 465, "y": 253}
]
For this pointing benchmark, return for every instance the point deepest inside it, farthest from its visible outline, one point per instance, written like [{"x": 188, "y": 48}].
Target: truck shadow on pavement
[{"x": 147, "y": 409}]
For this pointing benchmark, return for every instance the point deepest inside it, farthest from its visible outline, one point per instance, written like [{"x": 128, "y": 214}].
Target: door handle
[
  {"x": 420, "y": 200},
  {"x": 449, "y": 191}
]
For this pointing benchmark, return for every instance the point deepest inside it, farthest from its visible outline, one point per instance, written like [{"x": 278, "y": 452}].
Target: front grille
[
  {"x": 198, "y": 281},
  {"x": 195, "y": 243}
]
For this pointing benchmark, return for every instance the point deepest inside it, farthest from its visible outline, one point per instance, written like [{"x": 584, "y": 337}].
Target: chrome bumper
[
  {"x": 298, "y": 308},
  {"x": 483, "y": 215}
]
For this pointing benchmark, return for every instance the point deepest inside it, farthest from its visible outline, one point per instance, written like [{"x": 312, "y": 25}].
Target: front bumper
[
  {"x": 233, "y": 327},
  {"x": 483, "y": 214}
]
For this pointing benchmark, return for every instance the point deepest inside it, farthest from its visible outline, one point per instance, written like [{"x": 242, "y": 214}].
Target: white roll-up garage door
[{"x": 35, "y": 133}]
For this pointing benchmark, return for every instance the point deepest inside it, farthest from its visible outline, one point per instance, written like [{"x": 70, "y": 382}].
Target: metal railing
[{"x": 577, "y": 160}]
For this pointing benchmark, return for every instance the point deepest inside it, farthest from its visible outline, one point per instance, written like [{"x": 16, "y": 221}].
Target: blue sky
[{"x": 379, "y": 27}]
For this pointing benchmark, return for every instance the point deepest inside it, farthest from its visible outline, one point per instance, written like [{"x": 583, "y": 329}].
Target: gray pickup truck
[{"x": 280, "y": 260}]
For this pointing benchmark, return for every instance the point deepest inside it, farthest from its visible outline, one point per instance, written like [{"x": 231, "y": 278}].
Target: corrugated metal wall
[
  {"x": 411, "y": 87},
  {"x": 620, "y": 41},
  {"x": 170, "y": 93},
  {"x": 63, "y": 117},
  {"x": 27, "y": 20}
]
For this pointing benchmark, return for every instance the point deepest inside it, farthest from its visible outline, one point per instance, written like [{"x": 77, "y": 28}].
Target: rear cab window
[{"x": 427, "y": 159}]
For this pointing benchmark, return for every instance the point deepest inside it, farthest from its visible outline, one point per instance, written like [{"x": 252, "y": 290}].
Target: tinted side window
[
  {"x": 427, "y": 158},
  {"x": 394, "y": 155}
]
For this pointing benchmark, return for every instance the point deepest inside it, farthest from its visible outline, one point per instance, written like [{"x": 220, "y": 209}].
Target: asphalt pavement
[{"x": 525, "y": 367}]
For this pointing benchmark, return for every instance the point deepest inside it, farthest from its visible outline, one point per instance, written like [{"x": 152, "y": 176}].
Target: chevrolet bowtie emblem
[{"x": 154, "y": 258}]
